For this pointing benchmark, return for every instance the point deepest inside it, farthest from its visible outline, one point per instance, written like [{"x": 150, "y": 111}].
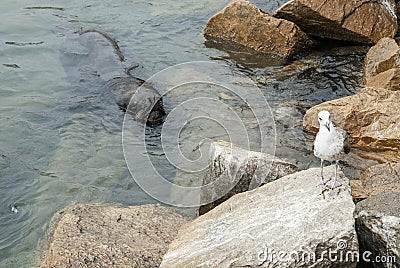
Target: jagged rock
[
  {"x": 89, "y": 235},
  {"x": 361, "y": 21},
  {"x": 239, "y": 170},
  {"x": 291, "y": 214},
  {"x": 378, "y": 229},
  {"x": 377, "y": 179},
  {"x": 371, "y": 116},
  {"x": 357, "y": 190},
  {"x": 383, "y": 56},
  {"x": 389, "y": 79},
  {"x": 244, "y": 24}
]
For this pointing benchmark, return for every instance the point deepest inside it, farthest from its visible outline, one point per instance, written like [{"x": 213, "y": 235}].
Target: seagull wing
[{"x": 346, "y": 140}]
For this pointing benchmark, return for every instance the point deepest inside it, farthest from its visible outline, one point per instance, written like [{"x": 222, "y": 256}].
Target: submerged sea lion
[{"x": 147, "y": 106}]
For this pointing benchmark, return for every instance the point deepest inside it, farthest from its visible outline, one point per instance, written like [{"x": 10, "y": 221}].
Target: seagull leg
[
  {"x": 323, "y": 180},
  {"x": 335, "y": 183}
]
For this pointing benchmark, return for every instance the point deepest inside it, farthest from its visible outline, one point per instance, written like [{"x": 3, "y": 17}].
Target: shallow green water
[{"x": 60, "y": 138}]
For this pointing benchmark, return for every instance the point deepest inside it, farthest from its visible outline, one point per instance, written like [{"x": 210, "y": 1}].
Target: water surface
[{"x": 60, "y": 138}]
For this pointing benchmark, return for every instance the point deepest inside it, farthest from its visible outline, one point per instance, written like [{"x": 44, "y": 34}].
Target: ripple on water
[{"x": 61, "y": 130}]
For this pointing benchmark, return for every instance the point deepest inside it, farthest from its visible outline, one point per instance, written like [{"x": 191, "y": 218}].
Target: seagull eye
[{"x": 319, "y": 118}]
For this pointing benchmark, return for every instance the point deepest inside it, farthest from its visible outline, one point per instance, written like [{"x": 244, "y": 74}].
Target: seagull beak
[{"x": 328, "y": 127}]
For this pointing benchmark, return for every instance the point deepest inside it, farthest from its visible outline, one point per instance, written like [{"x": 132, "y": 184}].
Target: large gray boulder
[
  {"x": 361, "y": 21},
  {"x": 90, "y": 235},
  {"x": 378, "y": 229},
  {"x": 238, "y": 170},
  {"x": 290, "y": 216}
]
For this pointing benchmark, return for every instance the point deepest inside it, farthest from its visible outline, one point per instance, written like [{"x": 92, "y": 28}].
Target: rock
[
  {"x": 371, "y": 116},
  {"x": 147, "y": 105},
  {"x": 357, "y": 190},
  {"x": 239, "y": 170},
  {"x": 361, "y": 21},
  {"x": 377, "y": 179},
  {"x": 383, "y": 56},
  {"x": 378, "y": 228},
  {"x": 389, "y": 79},
  {"x": 297, "y": 68},
  {"x": 104, "y": 236},
  {"x": 245, "y": 25},
  {"x": 290, "y": 216}
]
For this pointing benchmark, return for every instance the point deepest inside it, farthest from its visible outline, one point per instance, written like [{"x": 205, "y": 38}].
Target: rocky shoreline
[{"x": 272, "y": 207}]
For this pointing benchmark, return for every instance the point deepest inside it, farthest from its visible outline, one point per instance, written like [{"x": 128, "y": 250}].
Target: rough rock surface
[
  {"x": 378, "y": 228},
  {"x": 239, "y": 170},
  {"x": 377, "y": 179},
  {"x": 371, "y": 116},
  {"x": 291, "y": 214},
  {"x": 389, "y": 79},
  {"x": 361, "y": 21},
  {"x": 383, "y": 56},
  {"x": 244, "y": 24},
  {"x": 111, "y": 236}
]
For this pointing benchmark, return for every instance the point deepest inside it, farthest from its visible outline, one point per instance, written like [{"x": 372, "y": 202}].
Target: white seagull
[{"x": 330, "y": 144}]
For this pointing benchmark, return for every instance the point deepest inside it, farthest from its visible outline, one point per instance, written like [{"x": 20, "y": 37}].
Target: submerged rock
[
  {"x": 111, "y": 236},
  {"x": 291, "y": 216},
  {"x": 244, "y": 24},
  {"x": 239, "y": 170},
  {"x": 378, "y": 229},
  {"x": 361, "y": 21},
  {"x": 371, "y": 116},
  {"x": 377, "y": 179},
  {"x": 383, "y": 56},
  {"x": 297, "y": 68}
]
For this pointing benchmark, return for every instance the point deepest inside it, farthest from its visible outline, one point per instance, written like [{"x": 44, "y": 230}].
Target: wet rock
[
  {"x": 378, "y": 228},
  {"x": 389, "y": 79},
  {"x": 361, "y": 21},
  {"x": 288, "y": 215},
  {"x": 371, "y": 116},
  {"x": 145, "y": 107},
  {"x": 239, "y": 170},
  {"x": 383, "y": 56},
  {"x": 111, "y": 236},
  {"x": 297, "y": 68},
  {"x": 377, "y": 179},
  {"x": 245, "y": 25}
]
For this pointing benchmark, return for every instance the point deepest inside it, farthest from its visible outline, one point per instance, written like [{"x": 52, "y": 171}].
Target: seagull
[{"x": 330, "y": 144}]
